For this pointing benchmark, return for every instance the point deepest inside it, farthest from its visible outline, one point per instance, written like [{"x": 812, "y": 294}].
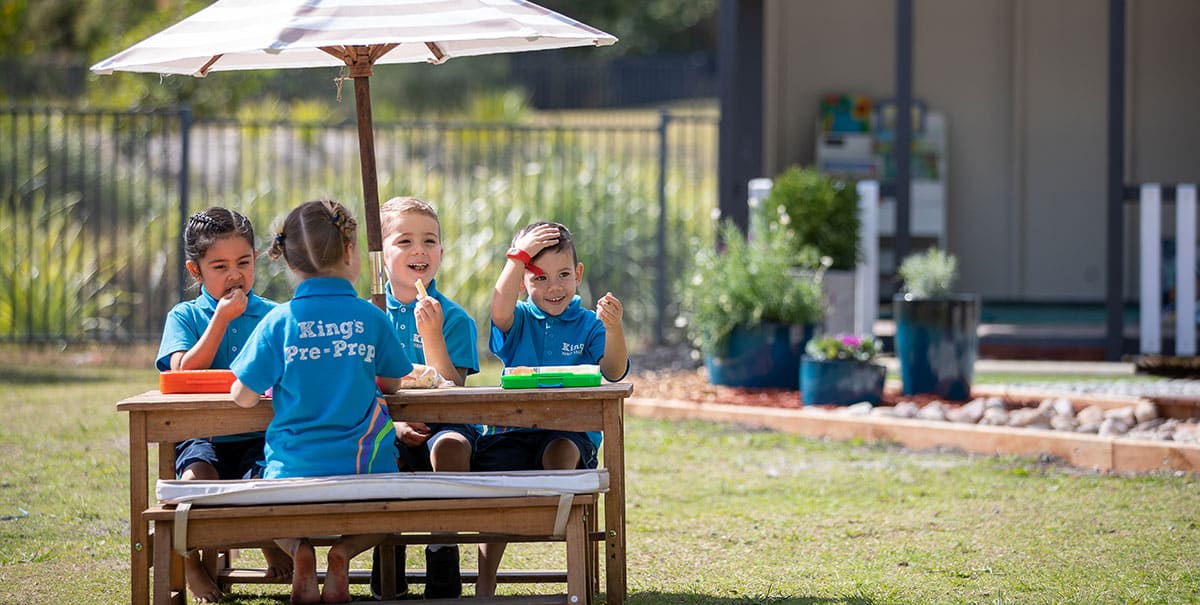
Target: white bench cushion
[{"x": 384, "y": 486}]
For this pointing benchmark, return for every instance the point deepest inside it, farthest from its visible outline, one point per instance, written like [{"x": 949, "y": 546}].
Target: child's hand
[
  {"x": 428, "y": 314},
  {"x": 537, "y": 239},
  {"x": 412, "y": 434},
  {"x": 232, "y": 305},
  {"x": 609, "y": 310}
]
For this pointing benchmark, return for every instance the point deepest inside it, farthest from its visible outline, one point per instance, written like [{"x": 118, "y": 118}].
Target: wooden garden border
[{"x": 1105, "y": 454}]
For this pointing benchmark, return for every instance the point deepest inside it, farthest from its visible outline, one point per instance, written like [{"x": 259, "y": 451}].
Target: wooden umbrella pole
[{"x": 366, "y": 155}]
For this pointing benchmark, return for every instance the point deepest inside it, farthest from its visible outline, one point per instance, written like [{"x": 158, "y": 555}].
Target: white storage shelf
[{"x": 852, "y": 155}]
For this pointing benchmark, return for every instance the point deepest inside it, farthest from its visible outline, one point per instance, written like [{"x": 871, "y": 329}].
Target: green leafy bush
[
  {"x": 751, "y": 282},
  {"x": 929, "y": 274},
  {"x": 821, "y": 211}
]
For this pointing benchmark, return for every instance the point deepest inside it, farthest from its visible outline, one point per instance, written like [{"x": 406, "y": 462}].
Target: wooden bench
[
  {"x": 541, "y": 518},
  {"x": 163, "y": 420}
]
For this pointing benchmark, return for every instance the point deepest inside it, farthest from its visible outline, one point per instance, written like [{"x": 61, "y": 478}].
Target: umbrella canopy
[{"x": 279, "y": 34}]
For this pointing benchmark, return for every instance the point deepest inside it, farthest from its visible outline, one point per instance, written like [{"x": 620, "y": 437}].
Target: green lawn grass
[{"x": 717, "y": 514}]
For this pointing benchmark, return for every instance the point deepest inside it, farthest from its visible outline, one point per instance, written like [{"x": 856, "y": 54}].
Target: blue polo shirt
[
  {"x": 321, "y": 352},
  {"x": 537, "y": 339},
  {"x": 458, "y": 328},
  {"x": 186, "y": 323}
]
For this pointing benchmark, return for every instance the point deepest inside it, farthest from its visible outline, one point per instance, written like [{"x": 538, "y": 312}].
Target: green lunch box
[{"x": 548, "y": 377}]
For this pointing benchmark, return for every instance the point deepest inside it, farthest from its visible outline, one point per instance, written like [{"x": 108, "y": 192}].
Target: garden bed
[{"x": 678, "y": 394}]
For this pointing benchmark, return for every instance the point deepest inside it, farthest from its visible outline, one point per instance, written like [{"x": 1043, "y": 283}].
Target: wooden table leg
[
  {"x": 579, "y": 586},
  {"x": 163, "y": 554},
  {"x": 139, "y": 556},
  {"x": 614, "y": 502}
]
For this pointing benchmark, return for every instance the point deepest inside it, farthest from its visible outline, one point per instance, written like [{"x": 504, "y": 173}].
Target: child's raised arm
[
  {"x": 616, "y": 357},
  {"x": 200, "y": 356},
  {"x": 508, "y": 286}
]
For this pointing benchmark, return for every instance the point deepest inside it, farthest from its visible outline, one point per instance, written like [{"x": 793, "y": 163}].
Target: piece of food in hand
[
  {"x": 421, "y": 293},
  {"x": 424, "y": 377}
]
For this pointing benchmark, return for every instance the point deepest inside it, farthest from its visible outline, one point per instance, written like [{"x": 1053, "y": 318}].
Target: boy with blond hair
[{"x": 437, "y": 332}]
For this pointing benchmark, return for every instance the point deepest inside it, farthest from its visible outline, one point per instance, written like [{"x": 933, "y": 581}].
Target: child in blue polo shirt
[
  {"x": 321, "y": 353},
  {"x": 437, "y": 332},
  {"x": 207, "y": 332},
  {"x": 551, "y": 328}
]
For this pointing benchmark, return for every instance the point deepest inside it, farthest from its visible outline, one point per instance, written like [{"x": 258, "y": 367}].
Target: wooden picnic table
[{"x": 164, "y": 420}]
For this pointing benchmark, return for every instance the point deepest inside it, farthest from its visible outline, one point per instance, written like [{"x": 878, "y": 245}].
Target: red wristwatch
[
  {"x": 519, "y": 255},
  {"x": 523, "y": 257}
]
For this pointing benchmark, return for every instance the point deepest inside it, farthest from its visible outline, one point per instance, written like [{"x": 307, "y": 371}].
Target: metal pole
[
  {"x": 185, "y": 153},
  {"x": 1114, "y": 341},
  {"x": 903, "y": 150},
  {"x": 660, "y": 286}
]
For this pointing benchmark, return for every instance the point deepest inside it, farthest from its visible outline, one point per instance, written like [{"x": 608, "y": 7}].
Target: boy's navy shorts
[
  {"x": 416, "y": 458},
  {"x": 522, "y": 450},
  {"x": 239, "y": 459}
]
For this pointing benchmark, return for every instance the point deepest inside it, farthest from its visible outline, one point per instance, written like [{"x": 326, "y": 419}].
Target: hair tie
[
  {"x": 203, "y": 219},
  {"x": 337, "y": 219},
  {"x": 279, "y": 237}
]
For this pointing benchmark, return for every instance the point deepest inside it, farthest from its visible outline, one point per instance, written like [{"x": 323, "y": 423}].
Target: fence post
[
  {"x": 660, "y": 286},
  {"x": 185, "y": 127},
  {"x": 1150, "y": 299},
  {"x": 866, "y": 271},
  {"x": 1185, "y": 270}
]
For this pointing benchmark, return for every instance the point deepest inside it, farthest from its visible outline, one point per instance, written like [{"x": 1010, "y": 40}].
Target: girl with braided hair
[
  {"x": 208, "y": 332},
  {"x": 325, "y": 354}
]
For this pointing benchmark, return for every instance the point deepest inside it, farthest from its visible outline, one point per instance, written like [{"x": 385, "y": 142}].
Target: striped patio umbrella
[{"x": 276, "y": 34}]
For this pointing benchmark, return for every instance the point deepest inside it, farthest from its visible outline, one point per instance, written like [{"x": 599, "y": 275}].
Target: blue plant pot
[
  {"x": 840, "y": 382},
  {"x": 762, "y": 356},
  {"x": 936, "y": 345}
]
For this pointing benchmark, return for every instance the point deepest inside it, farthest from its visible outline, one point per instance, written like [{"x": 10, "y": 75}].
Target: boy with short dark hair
[{"x": 551, "y": 328}]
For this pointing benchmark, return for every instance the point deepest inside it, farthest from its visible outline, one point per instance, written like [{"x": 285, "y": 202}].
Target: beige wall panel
[
  {"x": 962, "y": 64},
  {"x": 1164, "y": 78},
  {"x": 1023, "y": 85},
  {"x": 817, "y": 47},
  {"x": 1064, "y": 75}
]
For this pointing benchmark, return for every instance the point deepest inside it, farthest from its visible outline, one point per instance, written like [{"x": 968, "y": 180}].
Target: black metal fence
[{"x": 94, "y": 202}]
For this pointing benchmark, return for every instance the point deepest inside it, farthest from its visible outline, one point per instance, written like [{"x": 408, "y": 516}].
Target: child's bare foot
[
  {"x": 337, "y": 578},
  {"x": 304, "y": 576},
  {"x": 204, "y": 589},
  {"x": 279, "y": 564}
]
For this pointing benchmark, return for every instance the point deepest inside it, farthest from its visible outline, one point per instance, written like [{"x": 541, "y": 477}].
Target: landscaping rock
[
  {"x": 1090, "y": 415},
  {"x": 1145, "y": 411},
  {"x": 934, "y": 410},
  {"x": 906, "y": 409},
  {"x": 1114, "y": 426},
  {"x": 994, "y": 416},
  {"x": 1024, "y": 417}
]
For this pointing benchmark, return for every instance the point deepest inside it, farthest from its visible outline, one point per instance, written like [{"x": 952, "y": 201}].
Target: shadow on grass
[
  {"x": 694, "y": 599},
  {"x": 31, "y": 375}
]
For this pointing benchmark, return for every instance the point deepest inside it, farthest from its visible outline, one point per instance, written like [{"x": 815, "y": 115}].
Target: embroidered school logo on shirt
[
  {"x": 417, "y": 342},
  {"x": 569, "y": 350},
  {"x": 341, "y": 341}
]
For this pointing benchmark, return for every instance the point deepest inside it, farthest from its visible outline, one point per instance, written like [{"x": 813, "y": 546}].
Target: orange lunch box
[{"x": 196, "y": 381}]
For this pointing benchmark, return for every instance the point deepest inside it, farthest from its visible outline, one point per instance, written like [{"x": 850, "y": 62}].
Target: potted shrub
[
  {"x": 822, "y": 212},
  {"x": 840, "y": 370},
  {"x": 936, "y": 338},
  {"x": 749, "y": 311}
]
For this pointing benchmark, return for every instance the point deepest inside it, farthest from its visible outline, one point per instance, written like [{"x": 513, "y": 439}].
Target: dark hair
[
  {"x": 312, "y": 238},
  {"x": 207, "y": 226},
  {"x": 565, "y": 243}
]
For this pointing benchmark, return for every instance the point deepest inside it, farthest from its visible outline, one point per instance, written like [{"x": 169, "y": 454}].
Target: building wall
[{"x": 1023, "y": 86}]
